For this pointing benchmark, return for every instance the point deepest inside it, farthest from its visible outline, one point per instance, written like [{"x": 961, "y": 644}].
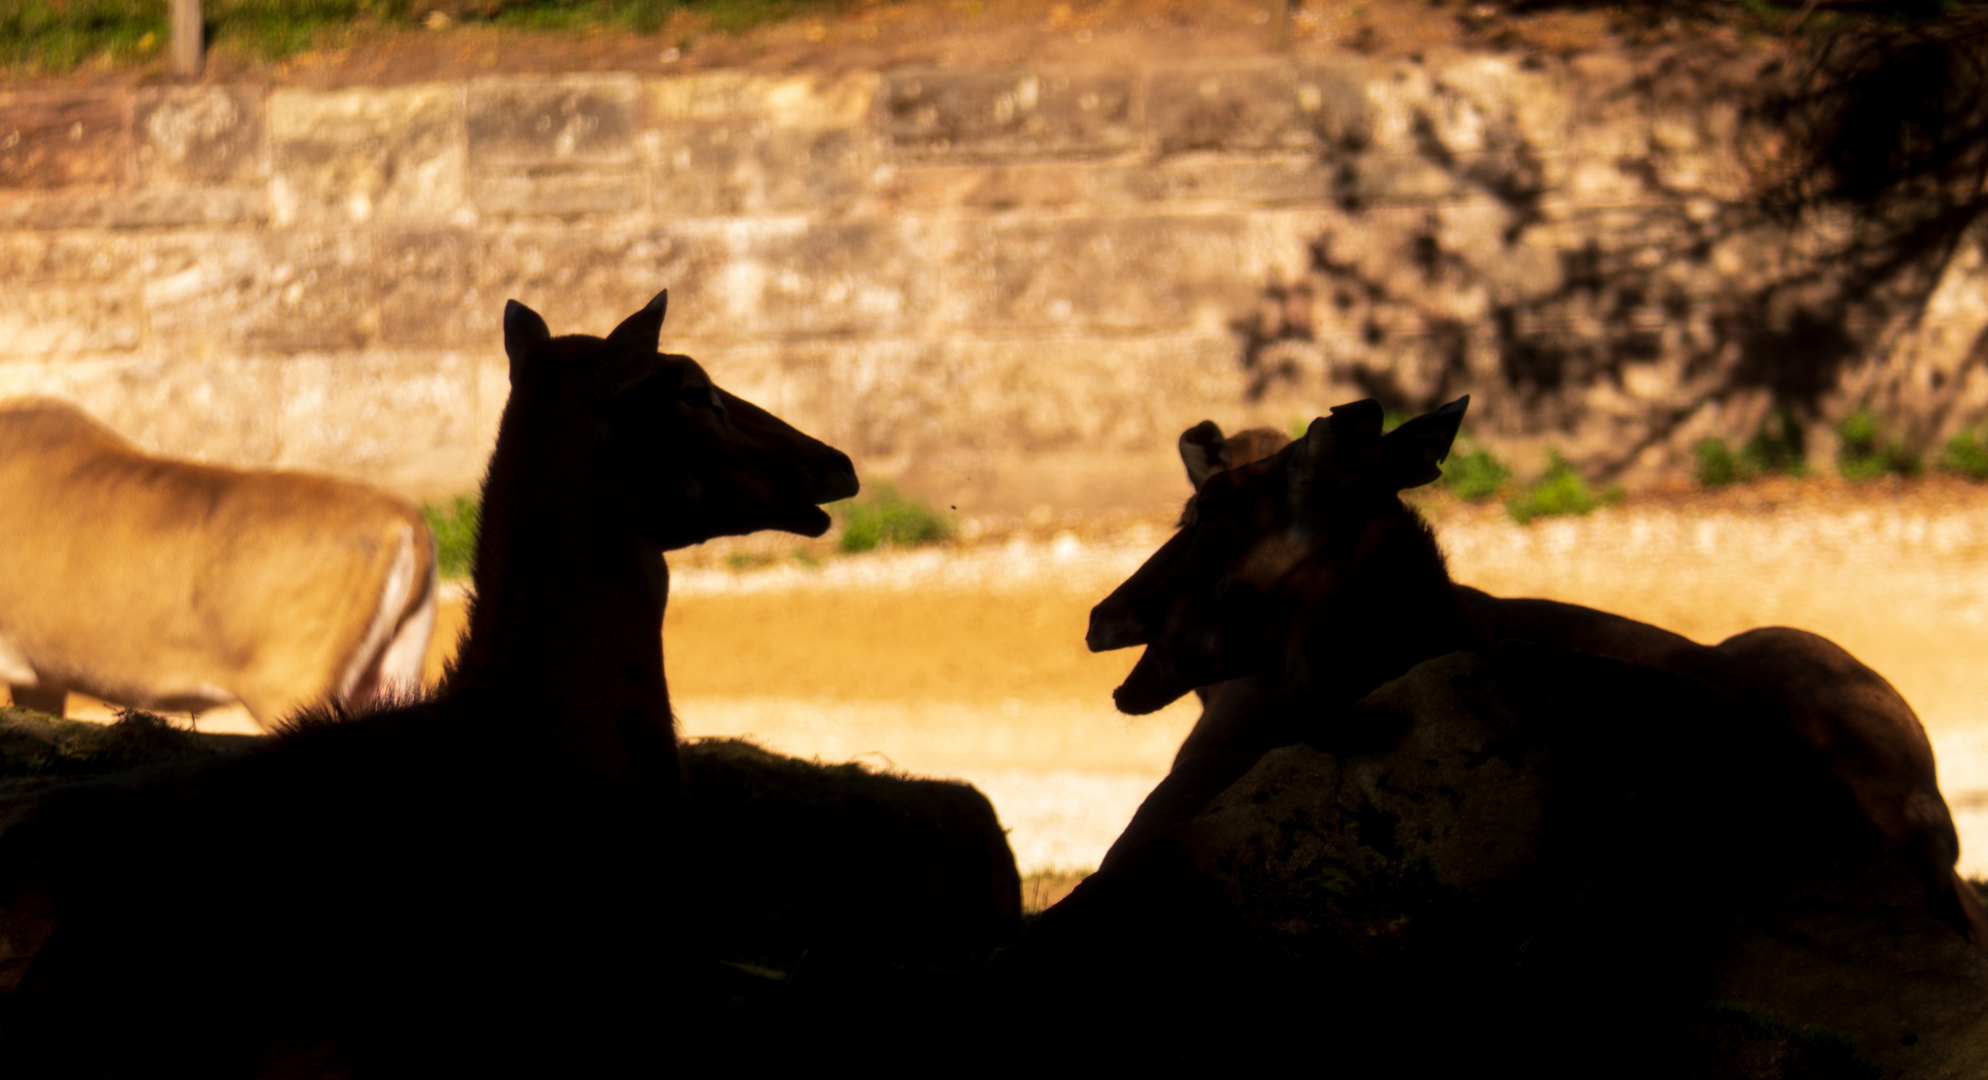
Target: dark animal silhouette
[
  {"x": 475, "y": 883},
  {"x": 172, "y": 585},
  {"x": 1331, "y": 585}
]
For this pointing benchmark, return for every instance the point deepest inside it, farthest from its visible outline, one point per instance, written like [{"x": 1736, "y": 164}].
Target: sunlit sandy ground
[{"x": 971, "y": 663}]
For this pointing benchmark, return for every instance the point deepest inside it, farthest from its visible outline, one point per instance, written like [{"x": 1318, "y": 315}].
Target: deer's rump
[{"x": 170, "y": 585}]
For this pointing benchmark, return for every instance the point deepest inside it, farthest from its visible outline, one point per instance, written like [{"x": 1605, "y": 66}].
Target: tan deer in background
[{"x": 169, "y": 585}]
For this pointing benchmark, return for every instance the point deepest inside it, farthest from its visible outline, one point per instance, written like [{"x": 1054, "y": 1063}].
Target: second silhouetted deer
[{"x": 1329, "y": 581}]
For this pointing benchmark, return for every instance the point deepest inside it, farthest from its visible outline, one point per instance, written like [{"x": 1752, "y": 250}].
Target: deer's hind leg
[{"x": 40, "y": 697}]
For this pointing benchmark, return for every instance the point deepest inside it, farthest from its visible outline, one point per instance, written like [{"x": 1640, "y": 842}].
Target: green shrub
[
  {"x": 1775, "y": 448},
  {"x": 454, "y": 524},
  {"x": 1864, "y": 454},
  {"x": 883, "y": 516},
  {"x": 1717, "y": 464},
  {"x": 1778, "y": 447},
  {"x": 1967, "y": 456},
  {"x": 1475, "y": 476},
  {"x": 1560, "y": 490}
]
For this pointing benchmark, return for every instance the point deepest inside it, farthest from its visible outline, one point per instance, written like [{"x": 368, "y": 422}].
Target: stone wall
[{"x": 1006, "y": 288}]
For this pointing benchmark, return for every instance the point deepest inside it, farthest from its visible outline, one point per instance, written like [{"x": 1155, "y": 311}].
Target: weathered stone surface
[
  {"x": 219, "y": 409},
  {"x": 142, "y": 209},
  {"x": 587, "y": 282},
  {"x": 55, "y": 139},
  {"x": 289, "y": 291},
  {"x": 403, "y": 420},
  {"x": 199, "y": 135},
  {"x": 1147, "y": 272},
  {"x": 40, "y": 320},
  {"x": 805, "y": 99},
  {"x": 357, "y": 156},
  {"x": 945, "y": 113},
  {"x": 566, "y": 120},
  {"x": 561, "y": 194},
  {"x": 1221, "y": 180},
  {"x": 420, "y": 275},
  {"x": 1234, "y": 106},
  {"x": 793, "y": 277},
  {"x": 708, "y": 169},
  {"x": 80, "y": 257}
]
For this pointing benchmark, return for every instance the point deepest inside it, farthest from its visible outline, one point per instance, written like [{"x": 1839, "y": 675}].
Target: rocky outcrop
[{"x": 1540, "y": 859}]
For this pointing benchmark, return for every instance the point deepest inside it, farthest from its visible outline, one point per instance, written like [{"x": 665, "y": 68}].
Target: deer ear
[
  {"x": 1204, "y": 451},
  {"x": 1412, "y": 452},
  {"x": 1336, "y": 449},
  {"x": 629, "y": 356},
  {"x": 525, "y": 333}
]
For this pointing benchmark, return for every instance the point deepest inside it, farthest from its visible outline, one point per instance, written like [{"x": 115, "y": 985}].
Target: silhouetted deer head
[
  {"x": 732, "y": 467},
  {"x": 1305, "y": 561}
]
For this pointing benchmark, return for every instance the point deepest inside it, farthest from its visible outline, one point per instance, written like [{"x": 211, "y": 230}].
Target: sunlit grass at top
[{"x": 52, "y": 36}]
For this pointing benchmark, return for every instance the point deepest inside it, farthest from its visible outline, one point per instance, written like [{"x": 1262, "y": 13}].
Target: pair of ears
[
  {"x": 1344, "y": 448},
  {"x": 626, "y": 357}
]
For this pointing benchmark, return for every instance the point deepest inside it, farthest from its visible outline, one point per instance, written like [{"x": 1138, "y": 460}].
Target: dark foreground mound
[
  {"x": 787, "y": 861},
  {"x": 1530, "y": 859}
]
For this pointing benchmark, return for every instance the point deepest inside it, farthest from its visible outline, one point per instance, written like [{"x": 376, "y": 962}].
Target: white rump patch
[
  {"x": 393, "y": 600},
  {"x": 14, "y": 668}
]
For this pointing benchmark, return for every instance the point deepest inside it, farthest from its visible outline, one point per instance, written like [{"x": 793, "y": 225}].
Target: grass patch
[
  {"x": 454, "y": 524},
  {"x": 1866, "y": 453},
  {"x": 59, "y": 35},
  {"x": 884, "y": 516},
  {"x": 1561, "y": 490},
  {"x": 1776, "y": 448},
  {"x": 37, "y": 750},
  {"x": 1475, "y": 475},
  {"x": 748, "y": 560},
  {"x": 1965, "y": 456}
]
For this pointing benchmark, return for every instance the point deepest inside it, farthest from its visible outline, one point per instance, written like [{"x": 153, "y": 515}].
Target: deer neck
[
  {"x": 568, "y": 610},
  {"x": 1390, "y": 606}
]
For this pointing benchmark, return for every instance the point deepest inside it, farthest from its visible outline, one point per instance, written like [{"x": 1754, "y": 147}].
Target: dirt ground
[{"x": 969, "y": 661}]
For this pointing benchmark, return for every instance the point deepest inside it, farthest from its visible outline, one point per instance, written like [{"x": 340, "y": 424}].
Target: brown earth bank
[{"x": 868, "y": 34}]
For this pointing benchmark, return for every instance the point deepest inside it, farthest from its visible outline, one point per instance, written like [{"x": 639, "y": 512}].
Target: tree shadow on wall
[{"x": 1811, "y": 249}]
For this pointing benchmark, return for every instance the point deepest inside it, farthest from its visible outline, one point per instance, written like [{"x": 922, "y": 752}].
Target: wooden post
[
  {"x": 1280, "y": 25},
  {"x": 189, "y": 50}
]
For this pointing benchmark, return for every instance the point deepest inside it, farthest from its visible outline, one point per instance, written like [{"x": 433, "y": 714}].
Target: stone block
[
  {"x": 560, "y": 121},
  {"x": 555, "y": 194},
  {"x": 585, "y": 283},
  {"x": 199, "y": 135},
  {"x": 404, "y": 420},
  {"x": 952, "y": 114},
  {"x": 1145, "y": 272},
  {"x": 865, "y": 277},
  {"x": 816, "y": 99},
  {"x": 41, "y": 320},
  {"x": 420, "y": 283},
  {"x": 1226, "y": 179},
  {"x": 56, "y": 139},
  {"x": 136, "y": 209},
  {"x": 1231, "y": 106},
  {"x": 279, "y": 292},
  {"x": 357, "y": 156},
  {"x": 217, "y": 409},
  {"x": 33, "y": 258},
  {"x": 699, "y": 170}
]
